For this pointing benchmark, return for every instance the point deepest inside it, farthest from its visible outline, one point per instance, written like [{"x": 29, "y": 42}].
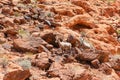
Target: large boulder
[
  {"x": 17, "y": 75},
  {"x": 33, "y": 44},
  {"x": 12, "y": 71}
]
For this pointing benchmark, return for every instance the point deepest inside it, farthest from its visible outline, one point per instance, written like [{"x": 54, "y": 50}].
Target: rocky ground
[{"x": 59, "y": 40}]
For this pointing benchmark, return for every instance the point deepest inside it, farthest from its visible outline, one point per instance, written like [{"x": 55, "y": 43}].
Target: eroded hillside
[{"x": 59, "y": 40}]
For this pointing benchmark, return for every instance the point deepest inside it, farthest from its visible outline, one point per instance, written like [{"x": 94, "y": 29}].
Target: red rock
[
  {"x": 12, "y": 71},
  {"x": 118, "y": 72},
  {"x": 7, "y": 11},
  {"x": 87, "y": 56},
  {"x": 11, "y": 32},
  {"x": 41, "y": 61},
  {"x": 23, "y": 45},
  {"x": 84, "y": 20},
  {"x": 2, "y": 40},
  {"x": 64, "y": 12},
  {"x": 51, "y": 79},
  {"x": 26, "y": 1},
  {"x": 17, "y": 75},
  {"x": 41, "y": 48},
  {"x": 30, "y": 44},
  {"x": 8, "y": 22},
  {"x": 95, "y": 63},
  {"x": 96, "y": 18},
  {"x": 15, "y": 2},
  {"x": 84, "y": 4},
  {"x": 115, "y": 65},
  {"x": 20, "y": 20},
  {"x": 118, "y": 49},
  {"x": 106, "y": 69},
  {"x": 84, "y": 76},
  {"x": 109, "y": 11},
  {"x": 49, "y": 37},
  {"x": 2, "y": 16},
  {"x": 17, "y": 21},
  {"x": 110, "y": 30}
]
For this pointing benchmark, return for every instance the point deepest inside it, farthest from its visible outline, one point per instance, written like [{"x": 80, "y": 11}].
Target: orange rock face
[
  {"x": 12, "y": 71},
  {"x": 59, "y": 40},
  {"x": 16, "y": 75}
]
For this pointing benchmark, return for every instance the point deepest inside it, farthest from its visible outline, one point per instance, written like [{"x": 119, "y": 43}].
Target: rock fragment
[{"x": 41, "y": 61}]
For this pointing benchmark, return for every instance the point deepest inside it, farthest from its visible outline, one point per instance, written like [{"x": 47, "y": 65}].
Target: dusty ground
[{"x": 59, "y": 40}]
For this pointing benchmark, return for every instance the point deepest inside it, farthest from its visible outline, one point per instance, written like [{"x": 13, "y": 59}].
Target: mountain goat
[{"x": 64, "y": 45}]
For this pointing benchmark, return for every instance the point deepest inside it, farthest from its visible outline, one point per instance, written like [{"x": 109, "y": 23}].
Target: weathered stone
[
  {"x": 109, "y": 11},
  {"x": 83, "y": 21},
  {"x": 84, "y": 4},
  {"x": 41, "y": 61},
  {"x": 54, "y": 69},
  {"x": 118, "y": 72},
  {"x": 15, "y": 2},
  {"x": 95, "y": 63},
  {"x": 115, "y": 65},
  {"x": 17, "y": 75},
  {"x": 41, "y": 48},
  {"x": 7, "y": 11},
  {"x": 118, "y": 49},
  {"x": 86, "y": 56},
  {"x": 50, "y": 38},
  {"x": 2, "y": 40},
  {"x": 12, "y": 71},
  {"x": 84, "y": 76},
  {"x": 106, "y": 68},
  {"x": 30, "y": 44}
]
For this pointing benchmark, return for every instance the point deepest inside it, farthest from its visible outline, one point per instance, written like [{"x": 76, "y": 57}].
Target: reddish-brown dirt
[{"x": 59, "y": 40}]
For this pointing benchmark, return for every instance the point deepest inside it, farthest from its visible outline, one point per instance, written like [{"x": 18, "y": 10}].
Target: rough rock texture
[
  {"x": 30, "y": 44},
  {"x": 17, "y": 75},
  {"x": 11, "y": 71},
  {"x": 59, "y": 40},
  {"x": 41, "y": 60}
]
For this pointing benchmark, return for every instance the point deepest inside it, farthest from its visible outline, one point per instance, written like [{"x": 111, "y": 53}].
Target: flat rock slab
[
  {"x": 13, "y": 71},
  {"x": 30, "y": 44},
  {"x": 17, "y": 75}
]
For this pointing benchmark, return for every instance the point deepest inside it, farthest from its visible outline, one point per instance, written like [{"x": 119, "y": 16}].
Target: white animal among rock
[
  {"x": 65, "y": 45},
  {"x": 85, "y": 44}
]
